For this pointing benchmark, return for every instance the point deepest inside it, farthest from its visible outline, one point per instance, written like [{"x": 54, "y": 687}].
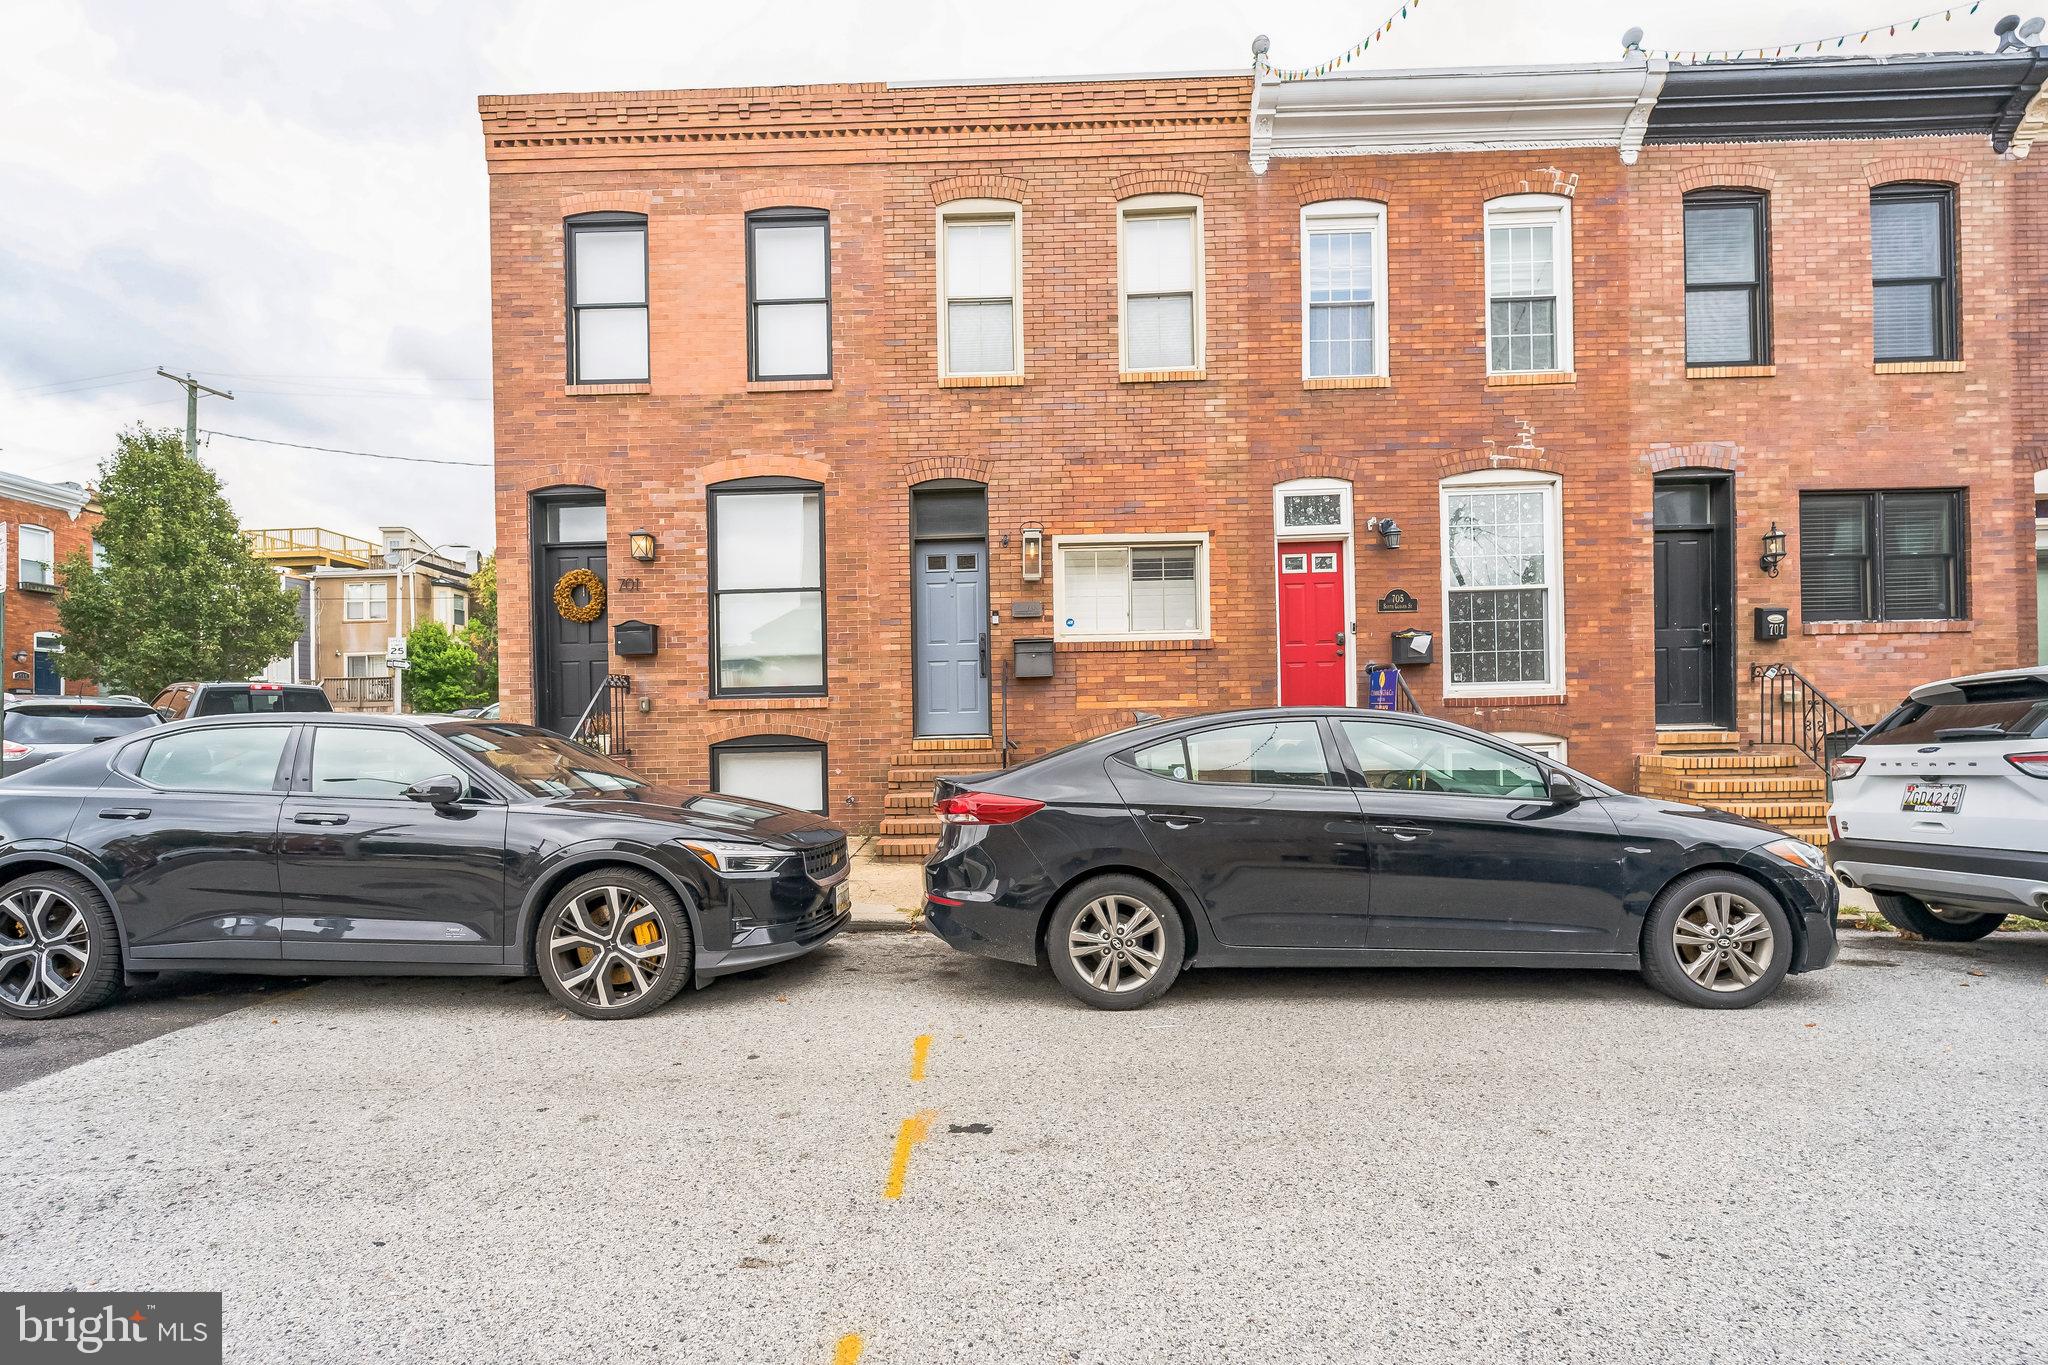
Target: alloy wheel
[
  {"x": 607, "y": 947},
  {"x": 45, "y": 945},
  {"x": 1956, "y": 916},
  {"x": 1117, "y": 942},
  {"x": 1724, "y": 941}
]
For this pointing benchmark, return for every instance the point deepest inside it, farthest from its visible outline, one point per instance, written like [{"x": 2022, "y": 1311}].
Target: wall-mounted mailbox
[
  {"x": 1773, "y": 623},
  {"x": 1413, "y": 647},
  {"x": 633, "y": 639},
  {"x": 1031, "y": 657}
]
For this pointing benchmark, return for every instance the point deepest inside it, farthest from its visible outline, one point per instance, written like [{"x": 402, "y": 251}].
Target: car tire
[
  {"x": 60, "y": 952},
  {"x": 593, "y": 947},
  {"x": 1704, "y": 946},
  {"x": 1107, "y": 930},
  {"x": 1941, "y": 926}
]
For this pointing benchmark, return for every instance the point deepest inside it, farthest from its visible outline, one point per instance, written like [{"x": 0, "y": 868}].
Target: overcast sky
[{"x": 286, "y": 197}]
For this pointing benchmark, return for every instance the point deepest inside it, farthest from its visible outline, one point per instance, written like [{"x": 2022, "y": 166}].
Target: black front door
[
  {"x": 1691, "y": 609},
  {"x": 575, "y": 655}
]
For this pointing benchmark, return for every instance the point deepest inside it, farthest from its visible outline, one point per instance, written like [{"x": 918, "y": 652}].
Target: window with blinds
[
  {"x": 1161, "y": 266},
  {"x": 1129, "y": 591},
  {"x": 789, "y": 295},
  {"x": 978, "y": 266},
  {"x": 1891, "y": 556},
  {"x": 1726, "y": 308},
  {"x": 1913, "y": 272}
]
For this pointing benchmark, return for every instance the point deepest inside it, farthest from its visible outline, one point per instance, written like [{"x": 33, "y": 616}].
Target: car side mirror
[
  {"x": 1562, "y": 790},
  {"x": 445, "y": 790}
]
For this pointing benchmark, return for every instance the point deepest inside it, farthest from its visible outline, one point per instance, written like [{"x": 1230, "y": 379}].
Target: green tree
[
  {"x": 441, "y": 672},
  {"x": 481, "y": 634},
  {"x": 181, "y": 596}
]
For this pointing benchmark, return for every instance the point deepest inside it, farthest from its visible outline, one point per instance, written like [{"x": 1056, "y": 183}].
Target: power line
[
  {"x": 91, "y": 381},
  {"x": 332, "y": 450}
]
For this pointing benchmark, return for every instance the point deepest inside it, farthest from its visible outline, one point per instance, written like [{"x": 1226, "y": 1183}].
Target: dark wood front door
[
  {"x": 1692, "y": 610},
  {"x": 575, "y": 656}
]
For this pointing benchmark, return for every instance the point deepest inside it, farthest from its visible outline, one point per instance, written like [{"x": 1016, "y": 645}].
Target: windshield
[
  {"x": 540, "y": 763},
  {"x": 2011, "y": 708},
  {"x": 75, "y": 724}
]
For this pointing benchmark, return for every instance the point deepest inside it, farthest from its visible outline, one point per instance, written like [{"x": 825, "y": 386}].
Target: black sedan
[
  {"x": 1359, "y": 838},
  {"x": 388, "y": 845}
]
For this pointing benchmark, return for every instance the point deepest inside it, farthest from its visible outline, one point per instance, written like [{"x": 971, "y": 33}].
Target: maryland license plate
[
  {"x": 1933, "y": 798},
  {"x": 842, "y": 897}
]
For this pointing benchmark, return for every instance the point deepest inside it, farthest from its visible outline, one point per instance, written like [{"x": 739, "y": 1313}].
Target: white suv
[{"x": 1940, "y": 811}]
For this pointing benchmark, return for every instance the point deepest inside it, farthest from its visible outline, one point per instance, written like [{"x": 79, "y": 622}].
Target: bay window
[
  {"x": 1503, "y": 609},
  {"x": 789, "y": 295},
  {"x": 1528, "y": 284},
  {"x": 1159, "y": 265},
  {"x": 1110, "y": 588},
  {"x": 980, "y": 280},
  {"x": 607, "y": 288},
  {"x": 767, "y": 587}
]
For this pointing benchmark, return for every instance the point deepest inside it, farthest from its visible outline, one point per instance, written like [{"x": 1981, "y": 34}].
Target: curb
[{"x": 893, "y": 925}]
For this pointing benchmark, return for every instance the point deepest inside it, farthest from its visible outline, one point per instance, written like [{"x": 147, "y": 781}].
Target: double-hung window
[
  {"x": 1504, "y": 614},
  {"x": 1890, "y": 556},
  {"x": 980, "y": 279},
  {"x": 786, "y": 770},
  {"x": 1343, "y": 283},
  {"x": 1528, "y": 284},
  {"x": 789, "y": 294},
  {"x": 767, "y": 587},
  {"x": 1160, "y": 266},
  {"x": 1727, "y": 296},
  {"x": 451, "y": 607},
  {"x": 1913, "y": 272},
  {"x": 38, "y": 554},
  {"x": 365, "y": 601},
  {"x": 1153, "y": 587},
  {"x": 607, "y": 298}
]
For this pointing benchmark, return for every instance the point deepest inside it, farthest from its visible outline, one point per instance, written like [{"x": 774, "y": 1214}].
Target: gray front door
[{"x": 952, "y": 637}]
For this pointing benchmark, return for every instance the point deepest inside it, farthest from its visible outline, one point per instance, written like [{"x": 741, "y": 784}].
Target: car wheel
[
  {"x": 1716, "y": 940},
  {"x": 614, "y": 944},
  {"x": 1115, "y": 943},
  {"x": 59, "y": 952},
  {"x": 1930, "y": 922}
]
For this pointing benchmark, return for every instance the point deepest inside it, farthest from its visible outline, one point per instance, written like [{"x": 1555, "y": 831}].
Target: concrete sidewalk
[{"x": 888, "y": 896}]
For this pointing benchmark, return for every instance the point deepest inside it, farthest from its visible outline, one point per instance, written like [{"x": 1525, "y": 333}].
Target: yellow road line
[
  {"x": 920, "y": 1048},
  {"x": 914, "y": 1130},
  {"x": 848, "y": 1350}
]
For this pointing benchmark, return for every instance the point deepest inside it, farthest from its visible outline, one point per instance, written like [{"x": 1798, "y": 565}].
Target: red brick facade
[
  {"x": 63, "y": 511},
  {"x": 1079, "y": 448}
]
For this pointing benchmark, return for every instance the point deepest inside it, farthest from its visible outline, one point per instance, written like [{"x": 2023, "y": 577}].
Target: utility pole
[{"x": 193, "y": 388}]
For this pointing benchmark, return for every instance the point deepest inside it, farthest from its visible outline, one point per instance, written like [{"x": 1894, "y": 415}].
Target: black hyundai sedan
[
  {"x": 1359, "y": 838},
  {"x": 389, "y": 845}
]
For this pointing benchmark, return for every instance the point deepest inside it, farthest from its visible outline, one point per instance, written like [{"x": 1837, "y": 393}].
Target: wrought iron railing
[
  {"x": 1790, "y": 710},
  {"x": 602, "y": 726}
]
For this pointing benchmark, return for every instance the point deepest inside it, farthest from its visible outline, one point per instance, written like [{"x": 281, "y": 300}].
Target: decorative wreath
[{"x": 591, "y": 607}]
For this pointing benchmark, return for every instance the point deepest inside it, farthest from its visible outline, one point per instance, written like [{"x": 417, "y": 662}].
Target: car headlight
[
  {"x": 735, "y": 858},
  {"x": 1800, "y": 852}
]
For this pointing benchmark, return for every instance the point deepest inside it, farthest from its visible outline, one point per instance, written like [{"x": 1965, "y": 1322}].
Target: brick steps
[
  {"x": 1708, "y": 768},
  {"x": 906, "y": 826},
  {"x": 1683, "y": 741},
  {"x": 909, "y": 829},
  {"x": 914, "y": 850}
]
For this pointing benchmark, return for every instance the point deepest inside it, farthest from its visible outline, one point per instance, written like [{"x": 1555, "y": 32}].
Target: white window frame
[
  {"x": 444, "y": 607},
  {"x": 378, "y": 668},
  {"x": 983, "y": 210},
  {"x": 1555, "y": 748},
  {"x": 1349, "y": 215},
  {"x": 376, "y": 592},
  {"x": 1532, "y": 210},
  {"x": 1197, "y": 539},
  {"x": 22, "y": 558},
  {"x": 1162, "y": 206},
  {"x": 1502, "y": 481}
]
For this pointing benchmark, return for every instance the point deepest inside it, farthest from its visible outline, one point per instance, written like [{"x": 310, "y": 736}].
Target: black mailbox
[
  {"x": 1031, "y": 657},
  {"x": 1414, "y": 647},
  {"x": 1773, "y": 623},
  {"x": 633, "y": 639}
]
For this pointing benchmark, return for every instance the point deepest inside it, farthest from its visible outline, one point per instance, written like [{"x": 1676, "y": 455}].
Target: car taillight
[
  {"x": 1845, "y": 767},
  {"x": 2033, "y": 765},
  {"x": 986, "y": 808},
  {"x": 266, "y": 687},
  {"x": 14, "y": 750}
]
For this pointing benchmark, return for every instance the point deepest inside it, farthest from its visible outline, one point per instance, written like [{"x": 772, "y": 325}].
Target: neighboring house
[
  {"x": 46, "y": 523},
  {"x": 356, "y": 596},
  {"x": 1214, "y": 383}
]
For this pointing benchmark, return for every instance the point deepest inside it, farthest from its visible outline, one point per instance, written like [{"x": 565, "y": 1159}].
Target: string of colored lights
[
  {"x": 1833, "y": 40},
  {"x": 1345, "y": 58}
]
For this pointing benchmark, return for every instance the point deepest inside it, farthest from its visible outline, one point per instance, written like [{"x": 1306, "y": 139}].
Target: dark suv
[
  {"x": 182, "y": 701},
  {"x": 42, "y": 728}
]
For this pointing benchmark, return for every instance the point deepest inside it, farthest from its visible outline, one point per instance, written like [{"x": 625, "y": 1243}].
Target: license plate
[
  {"x": 1933, "y": 798},
  {"x": 842, "y": 897}
]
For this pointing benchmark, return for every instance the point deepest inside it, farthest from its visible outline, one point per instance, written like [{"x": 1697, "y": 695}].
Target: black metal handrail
[
  {"x": 1790, "y": 710},
  {"x": 602, "y": 726},
  {"x": 1404, "y": 700}
]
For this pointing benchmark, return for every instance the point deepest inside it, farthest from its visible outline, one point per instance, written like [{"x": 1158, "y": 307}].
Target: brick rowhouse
[
  {"x": 46, "y": 524},
  {"x": 1171, "y": 484}
]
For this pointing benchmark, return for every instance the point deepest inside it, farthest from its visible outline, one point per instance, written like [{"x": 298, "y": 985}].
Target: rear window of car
[
  {"x": 238, "y": 701},
  {"x": 75, "y": 724},
  {"x": 2012, "y": 708}
]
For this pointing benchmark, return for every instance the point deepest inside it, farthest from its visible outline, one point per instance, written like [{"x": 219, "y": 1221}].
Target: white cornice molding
[
  {"x": 2033, "y": 124},
  {"x": 1483, "y": 109},
  {"x": 67, "y": 498}
]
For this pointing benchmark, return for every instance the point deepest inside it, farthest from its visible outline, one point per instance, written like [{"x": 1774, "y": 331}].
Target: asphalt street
[{"x": 1265, "y": 1166}]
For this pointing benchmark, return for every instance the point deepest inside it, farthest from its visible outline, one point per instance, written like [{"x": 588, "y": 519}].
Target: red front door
[{"x": 1314, "y": 636}]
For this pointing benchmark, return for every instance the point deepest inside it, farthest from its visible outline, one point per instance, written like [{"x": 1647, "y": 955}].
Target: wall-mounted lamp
[
  {"x": 1774, "y": 551},
  {"x": 1032, "y": 539},
  {"x": 1389, "y": 533},
  {"x": 640, "y": 545}
]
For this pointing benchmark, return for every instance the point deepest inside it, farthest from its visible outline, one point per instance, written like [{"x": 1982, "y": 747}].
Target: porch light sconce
[
  {"x": 1032, "y": 536},
  {"x": 640, "y": 545},
  {"x": 1389, "y": 533},
  {"x": 1774, "y": 551}
]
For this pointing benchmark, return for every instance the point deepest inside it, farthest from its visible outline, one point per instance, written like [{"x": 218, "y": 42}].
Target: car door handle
[
  {"x": 1175, "y": 821},
  {"x": 1405, "y": 833},
  {"x": 125, "y": 813},
  {"x": 319, "y": 817}
]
